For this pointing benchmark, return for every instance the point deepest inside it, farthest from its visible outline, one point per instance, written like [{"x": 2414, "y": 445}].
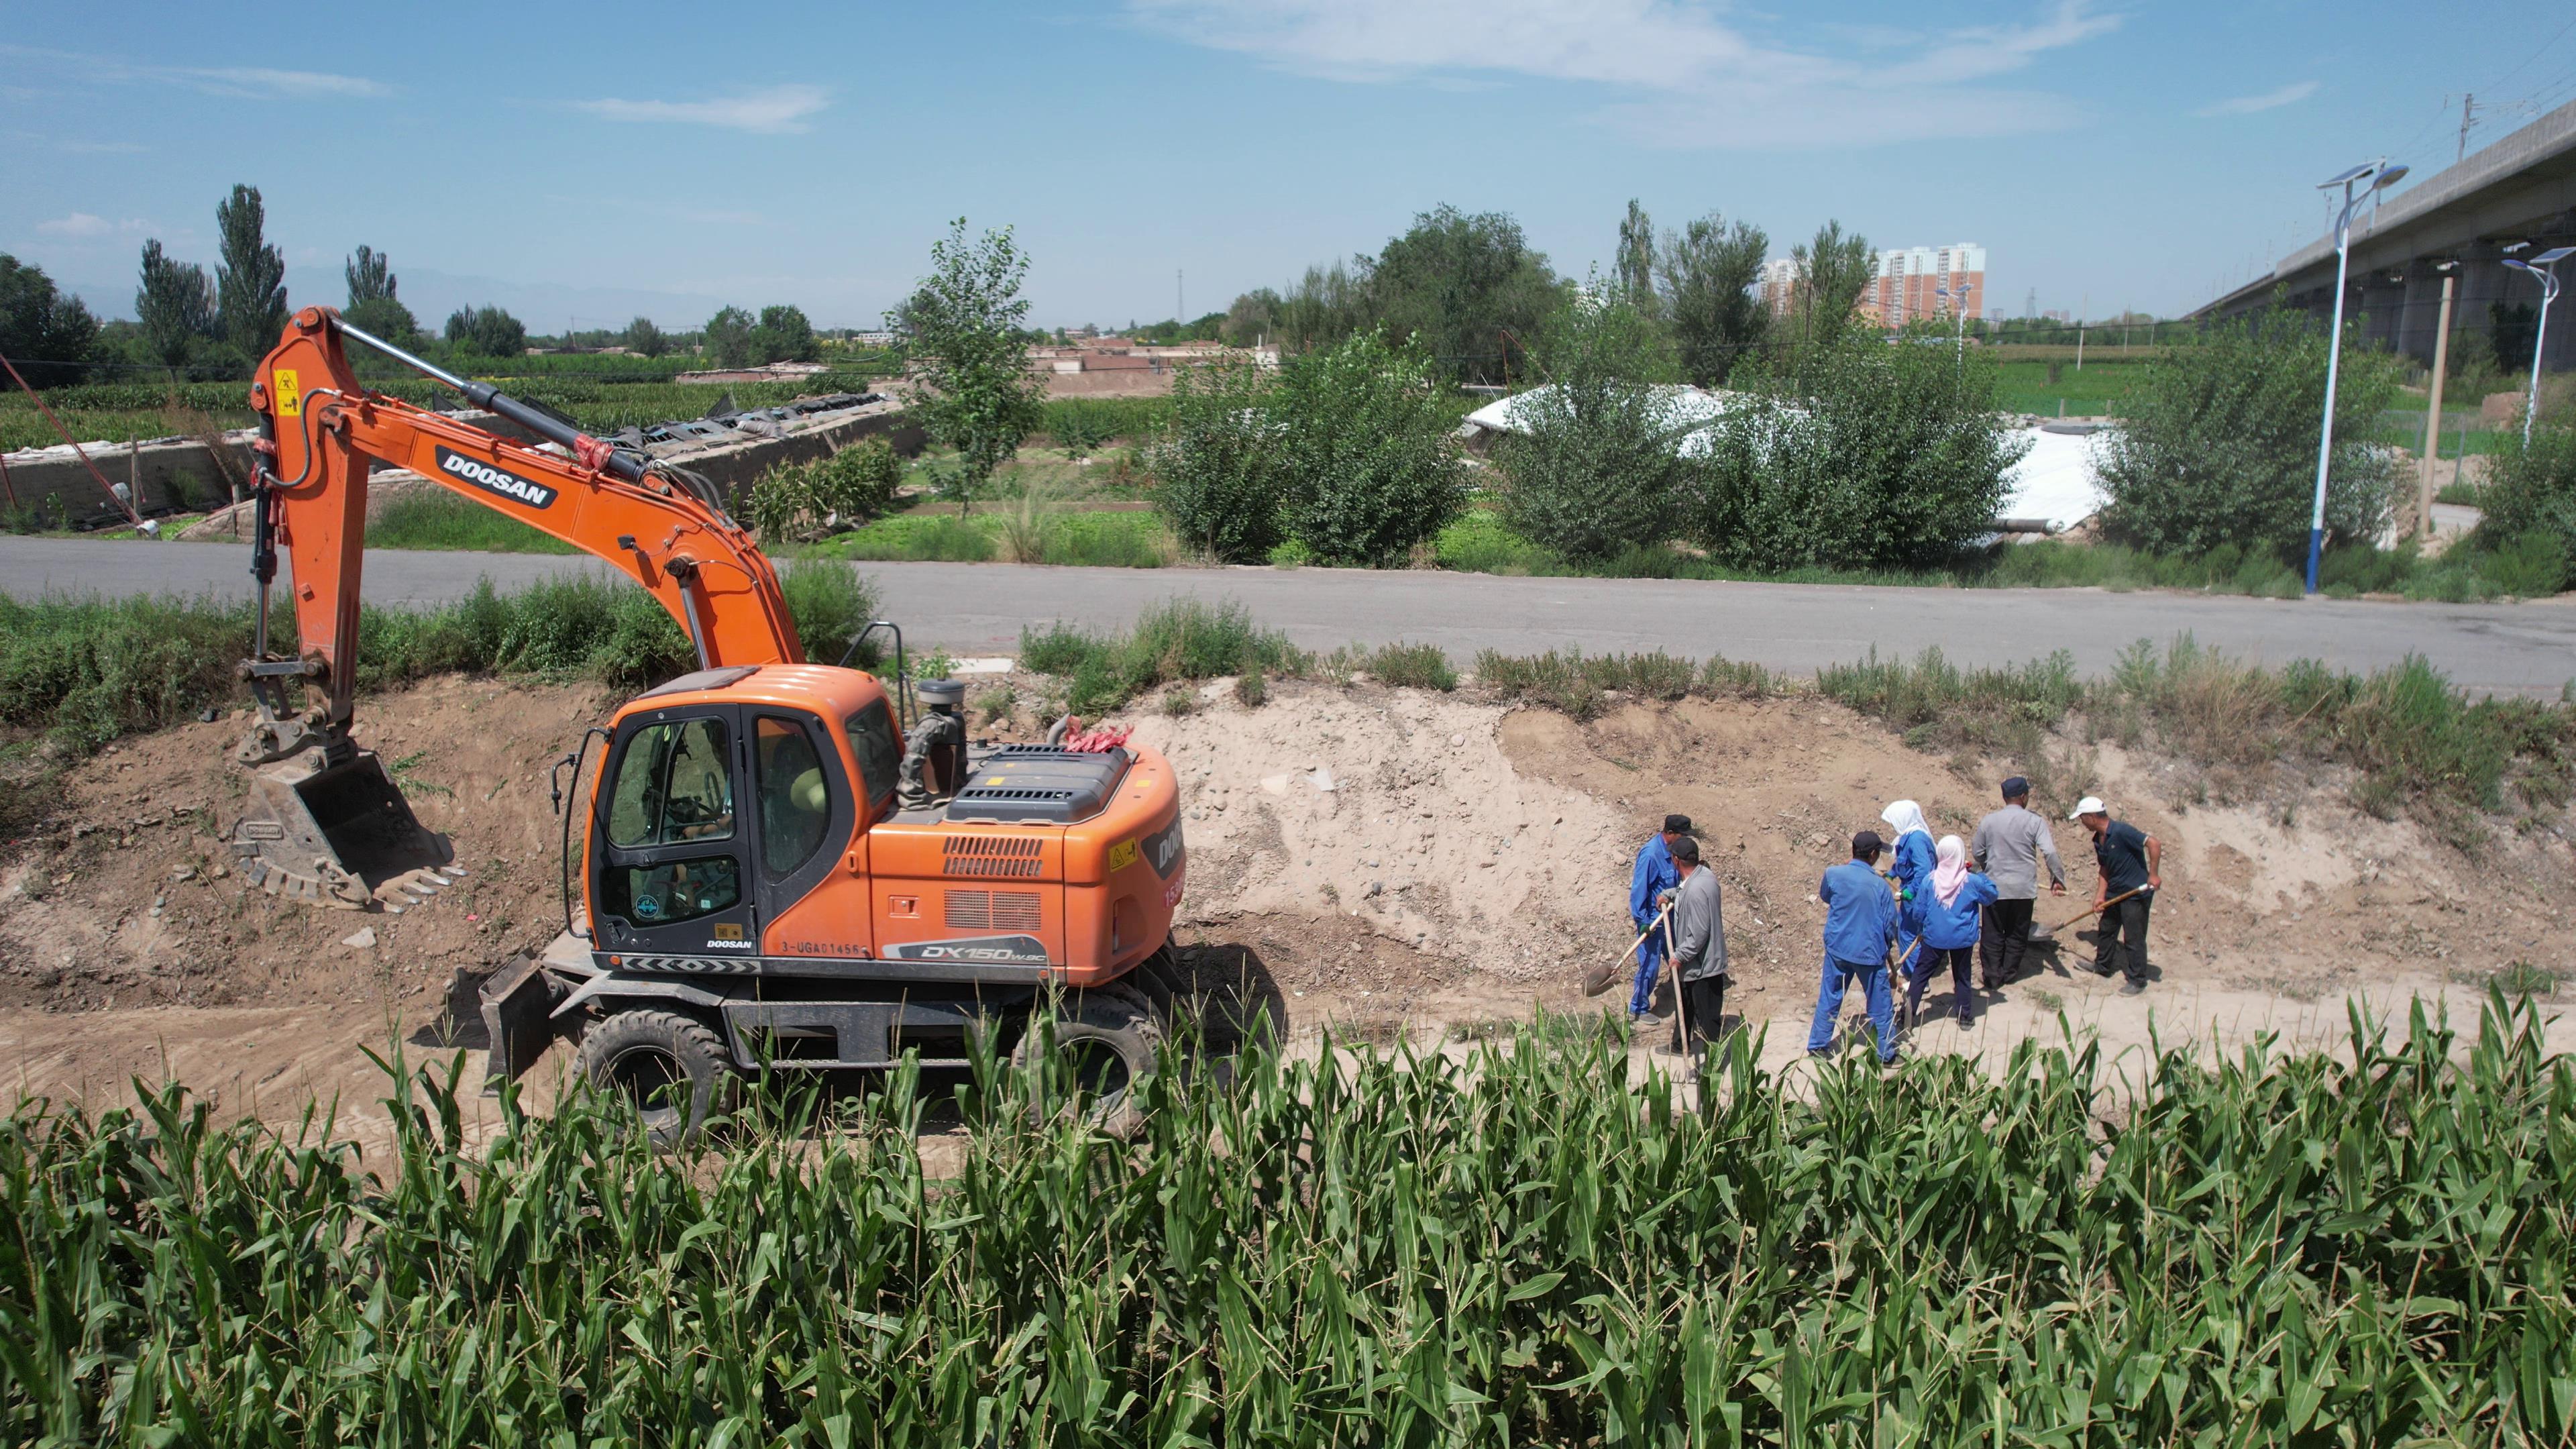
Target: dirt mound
[{"x": 1384, "y": 862}]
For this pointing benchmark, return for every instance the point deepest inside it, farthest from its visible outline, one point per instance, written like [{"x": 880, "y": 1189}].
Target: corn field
[{"x": 1511, "y": 1246}]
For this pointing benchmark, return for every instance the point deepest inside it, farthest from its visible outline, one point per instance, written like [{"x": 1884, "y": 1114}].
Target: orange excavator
[{"x": 774, "y": 869}]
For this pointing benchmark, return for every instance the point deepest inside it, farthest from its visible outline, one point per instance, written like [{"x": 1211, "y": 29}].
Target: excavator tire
[
  {"x": 1107, "y": 1041},
  {"x": 674, "y": 1069}
]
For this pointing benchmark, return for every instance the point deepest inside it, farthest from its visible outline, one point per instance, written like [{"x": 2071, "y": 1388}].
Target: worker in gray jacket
[
  {"x": 1699, "y": 951},
  {"x": 2009, "y": 846}
]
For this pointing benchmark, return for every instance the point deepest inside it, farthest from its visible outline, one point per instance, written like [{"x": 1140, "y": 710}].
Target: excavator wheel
[
  {"x": 674, "y": 1069},
  {"x": 1107, "y": 1043}
]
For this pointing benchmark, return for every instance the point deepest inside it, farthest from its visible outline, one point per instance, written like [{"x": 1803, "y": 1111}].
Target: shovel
[
  {"x": 2090, "y": 911},
  {"x": 1598, "y": 979}
]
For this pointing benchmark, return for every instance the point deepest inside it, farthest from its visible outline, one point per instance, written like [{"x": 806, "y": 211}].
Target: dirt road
[{"x": 980, "y": 608}]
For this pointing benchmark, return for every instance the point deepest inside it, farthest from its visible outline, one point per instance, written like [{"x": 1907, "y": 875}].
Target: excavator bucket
[{"x": 336, "y": 835}]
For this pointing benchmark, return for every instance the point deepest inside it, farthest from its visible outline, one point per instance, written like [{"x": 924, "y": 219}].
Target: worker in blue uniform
[
  {"x": 1653, "y": 875},
  {"x": 1860, "y": 926},
  {"x": 1910, "y": 866}
]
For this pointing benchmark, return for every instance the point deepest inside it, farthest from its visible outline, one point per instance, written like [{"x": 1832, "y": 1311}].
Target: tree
[
  {"x": 2218, "y": 441},
  {"x": 1369, "y": 448},
  {"x": 643, "y": 338},
  {"x": 383, "y": 317},
  {"x": 371, "y": 277},
  {"x": 1328, "y": 304},
  {"x": 175, "y": 306},
  {"x": 1636, "y": 264},
  {"x": 486, "y": 332},
  {"x": 1220, "y": 475},
  {"x": 975, "y": 391},
  {"x": 250, "y": 277},
  {"x": 1463, "y": 285},
  {"x": 728, "y": 338},
  {"x": 783, "y": 335},
  {"x": 1708, "y": 272},
  {"x": 1858, "y": 455},
  {"x": 1602, "y": 465},
  {"x": 45, "y": 332},
  {"x": 1253, "y": 318},
  {"x": 1833, "y": 273}
]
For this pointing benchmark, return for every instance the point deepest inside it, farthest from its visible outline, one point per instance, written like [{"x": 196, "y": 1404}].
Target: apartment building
[{"x": 1911, "y": 281}]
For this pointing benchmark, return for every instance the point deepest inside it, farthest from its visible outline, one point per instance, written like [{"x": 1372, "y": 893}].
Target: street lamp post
[
  {"x": 2544, "y": 267},
  {"x": 1961, "y": 310},
  {"x": 2377, "y": 174}
]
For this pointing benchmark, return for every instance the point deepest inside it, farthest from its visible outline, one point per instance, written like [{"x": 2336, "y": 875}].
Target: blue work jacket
[
  {"x": 1912, "y": 870},
  {"x": 1947, "y": 928},
  {"x": 1655, "y": 874},
  {"x": 1860, "y": 914}
]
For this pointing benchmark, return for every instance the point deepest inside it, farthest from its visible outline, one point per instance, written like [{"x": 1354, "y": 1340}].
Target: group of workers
[{"x": 1944, "y": 905}]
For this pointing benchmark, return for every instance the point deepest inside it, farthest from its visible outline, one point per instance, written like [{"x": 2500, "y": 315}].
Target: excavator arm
[{"x": 324, "y": 822}]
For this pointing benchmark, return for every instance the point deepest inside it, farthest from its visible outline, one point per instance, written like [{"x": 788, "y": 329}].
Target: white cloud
[
  {"x": 258, "y": 83},
  {"x": 1689, "y": 73},
  {"x": 81, "y": 226},
  {"x": 2289, "y": 95},
  {"x": 778, "y": 110}
]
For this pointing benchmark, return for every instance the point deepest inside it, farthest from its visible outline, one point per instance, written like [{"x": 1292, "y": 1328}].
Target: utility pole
[
  {"x": 2468, "y": 109},
  {"x": 2433, "y": 412},
  {"x": 1180, "y": 306}
]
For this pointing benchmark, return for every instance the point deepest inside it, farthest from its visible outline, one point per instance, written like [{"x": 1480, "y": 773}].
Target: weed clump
[{"x": 1177, "y": 640}]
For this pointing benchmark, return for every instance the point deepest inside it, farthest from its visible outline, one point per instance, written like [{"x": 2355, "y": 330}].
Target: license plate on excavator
[{"x": 335, "y": 834}]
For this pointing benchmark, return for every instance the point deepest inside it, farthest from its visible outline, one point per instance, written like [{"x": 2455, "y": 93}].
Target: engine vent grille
[
  {"x": 1014, "y": 856},
  {"x": 992, "y": 911}
]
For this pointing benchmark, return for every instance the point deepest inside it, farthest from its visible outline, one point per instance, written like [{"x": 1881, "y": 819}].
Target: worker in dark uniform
[
  {"x": 2132, "y": 865},
  {"x": 1699, "y": 952}
]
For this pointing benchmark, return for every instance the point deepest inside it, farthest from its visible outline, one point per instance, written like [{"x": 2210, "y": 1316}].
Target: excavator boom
[{"x": 324, "y": 821}]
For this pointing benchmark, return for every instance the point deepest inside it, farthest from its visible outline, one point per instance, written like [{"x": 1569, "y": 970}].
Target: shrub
[
  {"x": 1176, "y": 640},
  {"x": 1601, "y": 468},
  {"x": 2531, "y": 489},
  {"x": 1858, "y": 454},
  {"x": 2219, "y": 442},
  {"x": 1412, "y": 666},
  {"x": 1371, "y": 460},
  {"x": 812, "y": 499},
  {"x": 1220, "y": 472},
  {"x": 1480, "y": 542}
]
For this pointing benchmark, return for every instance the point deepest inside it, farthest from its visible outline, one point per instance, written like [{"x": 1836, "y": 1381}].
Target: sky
[{"x": 582, "y": 163}]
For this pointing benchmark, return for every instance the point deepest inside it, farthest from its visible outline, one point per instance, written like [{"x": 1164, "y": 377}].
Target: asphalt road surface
[{"x": 979, "y": 609}]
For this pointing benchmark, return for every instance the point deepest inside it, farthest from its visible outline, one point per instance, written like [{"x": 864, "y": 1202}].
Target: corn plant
[{"x": 1514, "y": 1246}]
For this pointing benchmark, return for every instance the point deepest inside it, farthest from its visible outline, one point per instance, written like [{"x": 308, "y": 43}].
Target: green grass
[
  {"x": 1176, "y": 640},
  {"x": 2418, "y": 745},
  {"x": 1521, "y": 1245},
  {"x": 1072, "y": 536},
  {"x": 2023, "y": 386},
  {"x": 1579, "y": 684},
  {"x": 444, "y": 521},
  {"x": 88, "y": 670}
]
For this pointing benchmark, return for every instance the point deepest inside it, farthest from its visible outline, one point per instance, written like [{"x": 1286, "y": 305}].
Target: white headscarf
[{"x": 1905, "y": 818}]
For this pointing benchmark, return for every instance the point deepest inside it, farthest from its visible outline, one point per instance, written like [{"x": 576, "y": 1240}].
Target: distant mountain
[{"x": 545, "y": 306}]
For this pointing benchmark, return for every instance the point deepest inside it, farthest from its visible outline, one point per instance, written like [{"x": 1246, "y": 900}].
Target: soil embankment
[{"x": 1387, "y": 862}]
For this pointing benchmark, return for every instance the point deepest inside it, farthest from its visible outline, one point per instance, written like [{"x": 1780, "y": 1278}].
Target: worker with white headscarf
[{"x": 1911, "y": 869}]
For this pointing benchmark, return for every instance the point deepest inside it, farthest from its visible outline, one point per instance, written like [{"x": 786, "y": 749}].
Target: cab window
[
  {"x": 880, "y": 754},
  {"x": 795, "y": 805},
  {"x": 673, "y": 786},
  {"x": 661, "y": 895}
]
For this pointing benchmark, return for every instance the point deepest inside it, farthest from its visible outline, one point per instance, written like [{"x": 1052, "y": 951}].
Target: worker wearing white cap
[{"x": 2131, "y": 862}]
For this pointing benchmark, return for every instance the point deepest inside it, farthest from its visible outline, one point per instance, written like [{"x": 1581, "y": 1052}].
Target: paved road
[{"x": 979, "y": 608}]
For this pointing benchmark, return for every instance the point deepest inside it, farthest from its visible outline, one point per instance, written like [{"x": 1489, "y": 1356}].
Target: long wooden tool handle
[{"x": 2097, "y": 910}]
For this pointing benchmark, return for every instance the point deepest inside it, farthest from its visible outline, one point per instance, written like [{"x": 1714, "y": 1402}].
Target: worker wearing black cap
[
  {"x": 1860, "y": 926},
  {"x": 2009, "y": 845},
  {"x": 1654, "y": 874}
]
